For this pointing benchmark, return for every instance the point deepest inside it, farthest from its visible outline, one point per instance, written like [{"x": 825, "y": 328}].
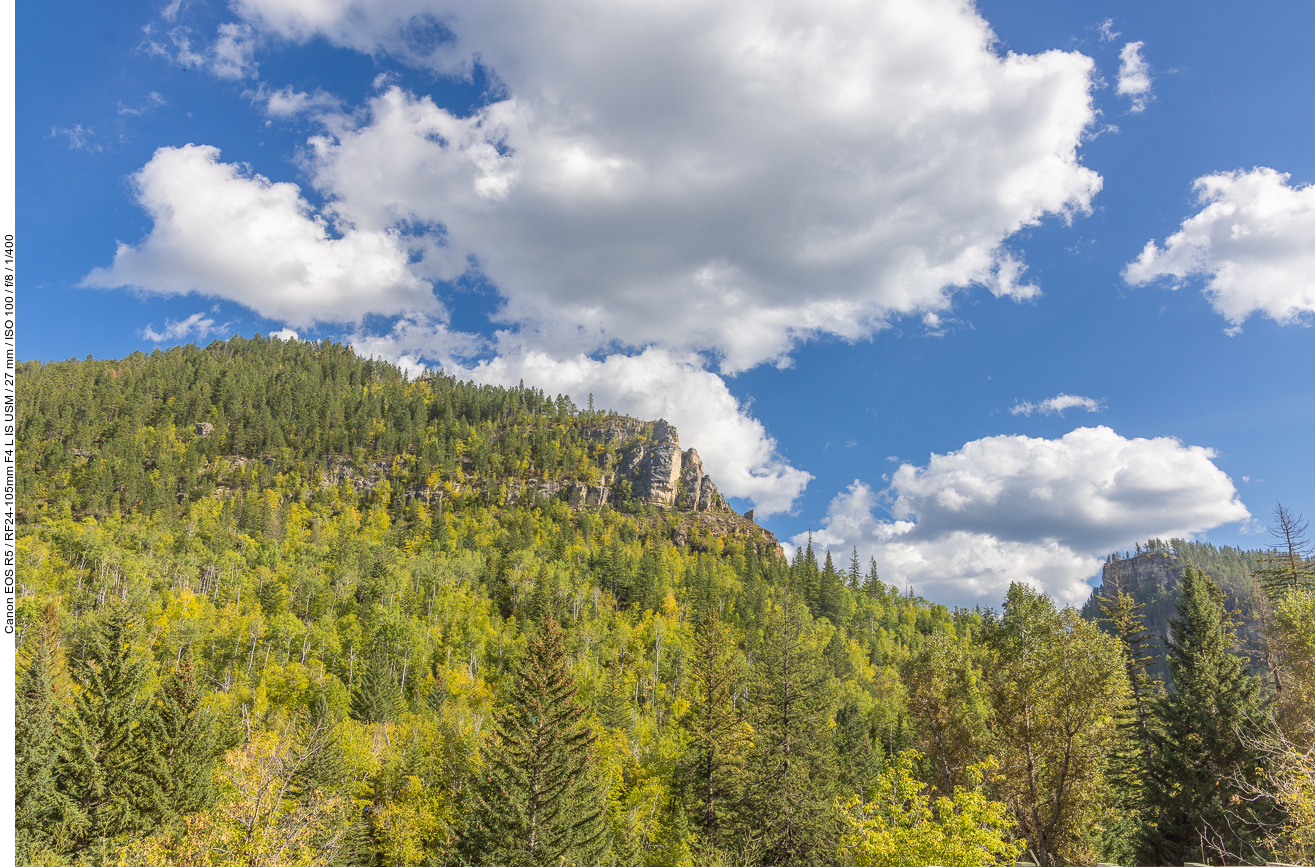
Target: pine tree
[
  {"x": 538, "y": 802},
  {"x": 792, "y": 772},
  {"x": 377, "y": 697},
  {"x": 1202, "y": 766},
  {"x": 38, "y": 805},
  {"x": 805, "y": 577},
  {"x": 719, "y": 736},
  {"x": 1130, "y": 760},
  {"x": 855, "y": 576},
  {"x": 828, "y": 591},
  {"x": 187, "y": 740},
  {"x": 872, "y": 583},
  {"x": 109, "y": 767},
  {"x": 1123, "y": 614}
]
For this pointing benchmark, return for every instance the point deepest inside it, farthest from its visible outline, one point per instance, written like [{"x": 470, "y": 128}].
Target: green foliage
[
  {"x": 376, "y": 697},
  {"x": 900, "y": 824},
  {"x": 537, "y": 803},
  {"x": 947, "y": 700},
  {"x": 1202, "y": 768},
  {"x": 186, "y": 737},
  {"x": 1056, "y": 685},
  {"x": 342, "y": 580},
  {"x": 39, "y": 805},
  {"x": 110, "y": 766},
  {"x": 719, "y": 736},
  {"x": 792, "y": 772}
]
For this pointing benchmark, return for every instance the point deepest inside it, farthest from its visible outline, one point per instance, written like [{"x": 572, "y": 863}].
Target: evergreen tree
[
  {"x": 1123, "y": 615},
  {"x": 792, "y": 775},
  {"x": 538, "y": 802},
  {"x": 1130, "y": 760},
  {"x": 855, "y": 576},
  {"x": 109, "y": 767},
  {"x": 38, "y": 804},
  {"x": 719, "y": 736},
  {"x": 376, "y": 697},
  {"x": 872, "y": 582},
  {"x": 1202, "y": 767},
  {"x": 805, "y": 577},
  {"x": 828, "y": 591},
  {"x": 187, "y": 740}
]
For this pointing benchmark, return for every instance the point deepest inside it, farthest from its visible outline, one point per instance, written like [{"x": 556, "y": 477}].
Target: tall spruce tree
[
  {"x": 805, "y": 576},
  {"x": 1202, "y": 766},
  {"x": 187, "y": 740},
  {"x": 110, "y": 767},
  {"x": 719, "y": 736},
  {"x": 1130, "y": 760},
  {"x": 872, "y": 581},
  {"x": 828, "y": 591},
  {"x": 538, "y": 802},
  {"x": 1123, "y": 615},
  {"x": 792, "y": 771},
  {"x": 376, "y": 697},
  {"x": 39, "y": 805}
]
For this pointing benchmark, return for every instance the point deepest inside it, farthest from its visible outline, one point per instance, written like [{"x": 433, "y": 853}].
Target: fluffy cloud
[
  {"x": 732, "y": 177},
  {"x": 1057, "y": 404},
  {"x": 223, "y": 232},
  {"x": 1253, "y": 241},
  {"x": 735, "y": 447},
  {"x": 1134, "y": 76},
  {"x": 1016, "y": 508}
]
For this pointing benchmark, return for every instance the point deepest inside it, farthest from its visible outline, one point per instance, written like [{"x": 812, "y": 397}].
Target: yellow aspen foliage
[{"x": 900, "y": 825}]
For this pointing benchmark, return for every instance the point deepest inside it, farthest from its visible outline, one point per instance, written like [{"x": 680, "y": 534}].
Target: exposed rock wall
[
  {"x": 1146, "y": 569},
  {"x": 651, "y": 462},
  {"x": 698, "y": 493}
]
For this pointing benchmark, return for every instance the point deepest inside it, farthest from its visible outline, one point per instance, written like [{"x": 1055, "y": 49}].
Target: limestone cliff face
[
  {"x": 652, "y": 463},
  {"x": 660, "y": 474},
  {"x": 1144, "y": 570},
  {"x": 697, "y": 491}
]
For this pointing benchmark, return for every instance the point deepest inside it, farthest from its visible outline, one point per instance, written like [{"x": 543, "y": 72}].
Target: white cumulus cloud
[
  {"x": 1016, "y": 508},
  {"x": 224, "y": 232},
  {"x": 731, "y": 177},
  {"x": 1057, "y": 404},
  {"x": 1134, "y": 76},
  {"x": 1253, "y": 241}
]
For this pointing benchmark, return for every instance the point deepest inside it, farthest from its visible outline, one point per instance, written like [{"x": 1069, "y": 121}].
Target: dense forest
[{"x": 281, "y": 605}]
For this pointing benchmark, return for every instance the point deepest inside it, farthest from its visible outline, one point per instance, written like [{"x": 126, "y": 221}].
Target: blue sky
[{"x": 885, "y": 265}]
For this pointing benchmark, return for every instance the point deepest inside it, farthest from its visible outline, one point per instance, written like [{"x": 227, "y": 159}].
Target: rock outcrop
[
  {"x": 651, "y": 462},
  {"x": 1145, "y": 569},
  {"x": 659, "y": 473},
  {"x": 697, "y": 491}
]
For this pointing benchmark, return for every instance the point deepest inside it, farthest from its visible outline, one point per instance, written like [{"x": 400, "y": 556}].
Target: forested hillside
[{"x": 282, "y": 605}]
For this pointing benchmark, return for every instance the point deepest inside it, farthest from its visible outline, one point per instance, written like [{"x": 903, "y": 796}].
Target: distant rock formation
[
  {"x": 1144, "y": 570},
  {"x": 651, "y": 460},
  {"x": 660, "y": 474},
  {"x": 698, "y": 493}
]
